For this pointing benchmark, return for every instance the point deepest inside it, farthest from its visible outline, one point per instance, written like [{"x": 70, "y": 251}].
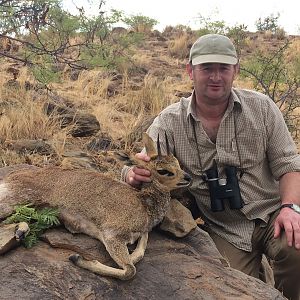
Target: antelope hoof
[
  {"x": 75, "y": 258},
  {"x": 22, "y": 229}
]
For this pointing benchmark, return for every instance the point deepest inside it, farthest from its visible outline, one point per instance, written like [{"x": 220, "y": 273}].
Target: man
[{"x": 218, "y": 128}]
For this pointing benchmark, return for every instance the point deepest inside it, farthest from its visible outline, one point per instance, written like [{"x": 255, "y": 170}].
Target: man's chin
[{"x": 216, "y": 94}]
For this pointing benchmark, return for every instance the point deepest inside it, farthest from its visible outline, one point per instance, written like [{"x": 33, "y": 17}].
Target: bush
[
  {"x": 207, "y": 25},
  {"x": 238, "y": 34},
  {"x": 269, "y": 23},
  {"x": 273, "y": 74},
  {"x": 280, "y": 33},
  {"x": 140, "y": 23}
]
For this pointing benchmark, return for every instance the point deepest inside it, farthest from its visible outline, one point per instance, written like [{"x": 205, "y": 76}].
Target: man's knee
[{"x": 287, "y": 253}]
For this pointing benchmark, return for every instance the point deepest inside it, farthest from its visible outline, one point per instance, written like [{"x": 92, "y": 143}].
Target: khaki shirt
[{"x": 253, "y": 137}]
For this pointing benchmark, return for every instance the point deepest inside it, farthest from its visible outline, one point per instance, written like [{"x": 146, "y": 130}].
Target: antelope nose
[{"x": 187, "y": 177}]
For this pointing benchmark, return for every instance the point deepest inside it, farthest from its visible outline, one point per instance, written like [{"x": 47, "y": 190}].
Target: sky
[{"x": 187, "y": 12}]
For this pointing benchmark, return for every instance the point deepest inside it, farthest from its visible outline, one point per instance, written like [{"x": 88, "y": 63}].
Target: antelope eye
[{"x": 165, "y": 172}]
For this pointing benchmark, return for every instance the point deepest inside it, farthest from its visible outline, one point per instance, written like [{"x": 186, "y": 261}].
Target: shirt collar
[
  {"x": 234, "y": 101},
  {"x": 191, "y": 110}
]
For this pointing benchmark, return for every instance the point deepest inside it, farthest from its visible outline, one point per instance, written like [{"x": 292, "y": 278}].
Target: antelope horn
[
  {"x": 167, "y": 144},
  {"x": 158, "y": 148}
]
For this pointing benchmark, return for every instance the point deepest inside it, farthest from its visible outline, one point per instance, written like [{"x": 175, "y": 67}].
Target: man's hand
[
  {"x": 288, "y": 220},
  {"x": 137, "y": 175}
]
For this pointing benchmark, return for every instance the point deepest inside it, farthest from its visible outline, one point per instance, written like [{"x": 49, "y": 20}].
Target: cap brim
[{"x": 212, "y": 58}]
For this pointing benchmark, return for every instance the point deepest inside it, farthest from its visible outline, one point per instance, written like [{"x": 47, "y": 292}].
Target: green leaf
[{"x": 38, "y": 221}]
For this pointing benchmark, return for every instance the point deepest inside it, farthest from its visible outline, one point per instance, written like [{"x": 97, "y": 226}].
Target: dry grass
[
  {"x": 141, "y": 60},
  {"x": 293, "y": 57},
  {"x": 178, "y": 48},
  {"x": 119, "y": 115},
  {"x": 91, "y": 85},
  {"x": 10, "y": 157},
  {"x": 137, "y": 97},
  {"x": 243, "y": 83},
  {"x": 111, "y": 119},
  {"x": 23, "y": 118},
  {"x": 152, "y": 98}
]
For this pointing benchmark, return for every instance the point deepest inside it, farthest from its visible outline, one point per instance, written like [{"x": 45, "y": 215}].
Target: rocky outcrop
[
  {"x": 84, "y": 123},
  {"x": 185, "y": 268},
  {"x": 25, "y": 146}
]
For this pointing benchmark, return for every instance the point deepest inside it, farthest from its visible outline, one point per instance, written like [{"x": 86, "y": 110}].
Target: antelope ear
[{"x": 149, "y": 145}]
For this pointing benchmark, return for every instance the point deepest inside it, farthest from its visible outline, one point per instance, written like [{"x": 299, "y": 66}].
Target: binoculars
[{"x": 223, "y": 189}]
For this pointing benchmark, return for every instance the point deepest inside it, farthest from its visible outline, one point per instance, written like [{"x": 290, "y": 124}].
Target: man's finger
[
  {"x": 141, "y": 171},
  {"x": 289, "y": 232},
  {"x": 277, "y": 230},
  {"x": 296, "y": 227},
  {"x": 142, "y": 178},
  {"x": 143, "y": 156}
]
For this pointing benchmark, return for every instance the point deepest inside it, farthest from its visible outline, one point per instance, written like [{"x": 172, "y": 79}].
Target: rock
[
  {"x": 178, "y": 220},
  {"x": 84, "y": 124},
  {"x": 119, "y": 31},
  {"x": 187, "y": 268},
  {"x": 7, "y": 238},
  {"x": 31, "y": 146},
  {"x": 78, "y": 160},
  {"x": 102, "y": 141},
  {"x": 4, "y": 171}
]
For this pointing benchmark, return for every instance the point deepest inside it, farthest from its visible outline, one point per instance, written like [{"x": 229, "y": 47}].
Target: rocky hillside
[
  {"x": 76, "y": 123},
  {"x": 93, "y": 110}
]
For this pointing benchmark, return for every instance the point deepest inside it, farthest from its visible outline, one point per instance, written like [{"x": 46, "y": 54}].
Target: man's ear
[
  {"x": 237, "y": 69},
  {"x": 189, "y": 69}
]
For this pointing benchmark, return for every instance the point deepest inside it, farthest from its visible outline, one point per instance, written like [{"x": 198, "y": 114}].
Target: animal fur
[{"x": 106, "y": 209}]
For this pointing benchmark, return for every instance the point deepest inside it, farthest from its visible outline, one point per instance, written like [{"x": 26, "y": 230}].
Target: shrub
[
  {"x": 140, "y": 23},
  {"x": 268, "y": 23},
  {"x": 207, "y": 25},
  {"x": 238, "y": 34}
]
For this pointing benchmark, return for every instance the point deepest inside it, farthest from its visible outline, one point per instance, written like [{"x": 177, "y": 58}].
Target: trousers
[{"x": 285, "y": 259}]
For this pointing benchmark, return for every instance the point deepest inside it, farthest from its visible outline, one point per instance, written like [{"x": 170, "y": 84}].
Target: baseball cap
[{"x": 213, "y": 48}]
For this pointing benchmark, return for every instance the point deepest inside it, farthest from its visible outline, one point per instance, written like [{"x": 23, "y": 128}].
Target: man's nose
[{"x": 215, "y": 75}]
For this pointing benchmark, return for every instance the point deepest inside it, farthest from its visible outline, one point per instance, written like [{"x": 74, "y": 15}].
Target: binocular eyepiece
[{"x": 222, "y": 189}]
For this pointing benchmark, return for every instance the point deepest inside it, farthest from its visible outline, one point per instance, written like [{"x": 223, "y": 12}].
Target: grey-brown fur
[{"x": 94, "y": 204}]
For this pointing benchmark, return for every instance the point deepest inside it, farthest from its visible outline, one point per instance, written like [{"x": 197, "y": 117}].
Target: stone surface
[
  {"x": 178, "y": 220},
  {"x": 84, "y": 123},
  {"x": 31, "y": 146},
  {"x": 186, "y": 268},
  {"x": 4, "y": 171},
  {"x": 7, "y": 238}
]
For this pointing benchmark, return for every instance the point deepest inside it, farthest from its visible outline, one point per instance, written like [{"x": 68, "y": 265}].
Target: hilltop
[{"x": 98, "y": 109}]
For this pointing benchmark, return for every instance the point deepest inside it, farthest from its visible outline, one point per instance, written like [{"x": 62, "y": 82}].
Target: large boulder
[{"x": 173, "y": 268}]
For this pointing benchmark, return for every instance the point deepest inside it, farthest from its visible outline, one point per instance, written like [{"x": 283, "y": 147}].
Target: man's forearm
[{"x": 289, "y": 188}]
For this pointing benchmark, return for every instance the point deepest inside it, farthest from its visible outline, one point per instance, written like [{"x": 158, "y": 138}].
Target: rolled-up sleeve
[{"x": 282, "y": 152}]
